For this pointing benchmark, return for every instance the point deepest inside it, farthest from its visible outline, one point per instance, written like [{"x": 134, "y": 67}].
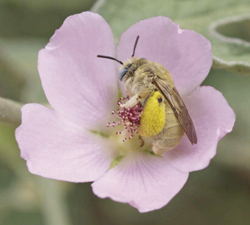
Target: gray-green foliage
[
  {"x": 202, "y": 16},
  {"x": 219, "y": 194}
]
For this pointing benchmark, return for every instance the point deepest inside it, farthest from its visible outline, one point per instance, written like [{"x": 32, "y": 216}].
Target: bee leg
[
  {"x": 139, "y": 97},
  {"x": 142, "y": 141},
  {"x": 133, "y": 101}
]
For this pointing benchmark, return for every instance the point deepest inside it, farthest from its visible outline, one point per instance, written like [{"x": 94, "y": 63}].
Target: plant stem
[{"x": 10, "y": 112}]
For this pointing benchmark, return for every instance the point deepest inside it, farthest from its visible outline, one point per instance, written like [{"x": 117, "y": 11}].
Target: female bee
[{"x": 165, "y": 117}]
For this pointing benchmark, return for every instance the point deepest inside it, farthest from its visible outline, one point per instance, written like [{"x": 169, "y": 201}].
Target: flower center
[{"x": 128, "y": 117}]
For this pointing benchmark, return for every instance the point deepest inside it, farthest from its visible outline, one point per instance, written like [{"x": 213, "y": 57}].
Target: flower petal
[
  {"x": 80, "y": 86},
  {"x": 57, "y": 149},
  {"x": 213, "y": 119},
  {"x": 186, "y": 54},
  {"x": 144, "y": 181}
]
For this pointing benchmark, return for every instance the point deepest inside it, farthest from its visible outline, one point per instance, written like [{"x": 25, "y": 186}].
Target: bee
[{"x": 165, "y": 117}]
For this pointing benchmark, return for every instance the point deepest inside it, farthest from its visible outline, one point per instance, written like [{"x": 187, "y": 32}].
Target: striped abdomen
[{"x": 171, "y": 134}]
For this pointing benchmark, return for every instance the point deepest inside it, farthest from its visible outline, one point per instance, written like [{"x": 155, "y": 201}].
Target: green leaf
[{"x": 223, "y": 22}]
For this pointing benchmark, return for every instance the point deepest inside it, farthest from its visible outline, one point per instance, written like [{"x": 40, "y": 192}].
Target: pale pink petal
[
  {"x": 186, "y": 54},
  {"x": 213, "y": 119},
  {"x": 144, "y": 181},
  {"x": 78, "y": 85},
  {"x": 57, "y": 149}
]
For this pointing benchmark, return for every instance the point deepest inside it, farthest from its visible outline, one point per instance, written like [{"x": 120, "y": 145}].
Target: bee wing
[{"x": 178, "y": 106}]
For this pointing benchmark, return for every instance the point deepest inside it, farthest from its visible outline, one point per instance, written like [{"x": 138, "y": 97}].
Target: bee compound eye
[
  {"x": 123, "y": 71},
  {"x": 159, "y": 100}
]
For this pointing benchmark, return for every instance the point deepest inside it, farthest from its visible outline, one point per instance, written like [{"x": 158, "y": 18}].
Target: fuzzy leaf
[{"x": 224, "y": 23}]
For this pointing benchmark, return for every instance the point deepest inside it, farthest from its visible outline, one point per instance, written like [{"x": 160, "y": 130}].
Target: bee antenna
[
  {"x": 136, "y": 41},
  {"x": 109, "y": 57}
]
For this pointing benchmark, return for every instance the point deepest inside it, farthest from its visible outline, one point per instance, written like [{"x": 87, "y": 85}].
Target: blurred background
[{"x": 219, "y": 194}]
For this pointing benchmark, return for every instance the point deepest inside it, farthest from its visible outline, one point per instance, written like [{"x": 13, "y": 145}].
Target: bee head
[{"x": 129, "y": 66}]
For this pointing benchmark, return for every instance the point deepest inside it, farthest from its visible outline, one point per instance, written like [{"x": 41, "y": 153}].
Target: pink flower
[{"x": 71, "y": 141}]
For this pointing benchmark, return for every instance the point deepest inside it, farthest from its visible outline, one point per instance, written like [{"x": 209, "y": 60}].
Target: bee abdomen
[
  {"x": 173, "y": 131},
  {"x": 170, "y": 136}
]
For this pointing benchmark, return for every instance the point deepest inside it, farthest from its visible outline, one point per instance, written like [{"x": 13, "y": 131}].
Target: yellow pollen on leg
[{"x": 153, "y": 116}]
